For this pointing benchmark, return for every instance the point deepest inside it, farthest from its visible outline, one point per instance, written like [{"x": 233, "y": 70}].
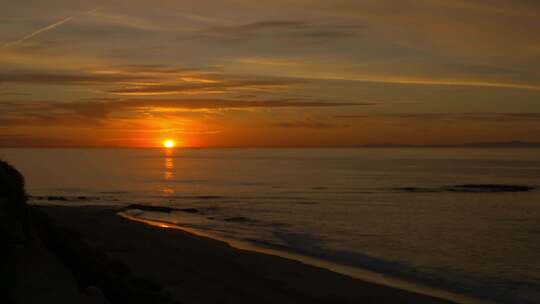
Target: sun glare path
[{"x": 169, "y": 143}]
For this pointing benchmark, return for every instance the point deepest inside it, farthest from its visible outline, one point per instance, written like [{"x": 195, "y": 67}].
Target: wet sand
[{"x": 195, "y": 269}]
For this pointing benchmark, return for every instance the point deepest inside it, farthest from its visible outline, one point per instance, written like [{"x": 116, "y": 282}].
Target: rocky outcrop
[
  {"x": 472, "y": 188},
  {"x": 14, "y": 225},
  {"x": 30, "y": 272}
]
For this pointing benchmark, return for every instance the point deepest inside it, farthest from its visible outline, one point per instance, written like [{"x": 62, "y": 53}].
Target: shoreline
[
  {"x": 196, "y": 269},
  {"x": 347, "y": 270},
  {"x": 184, "y": 262}
]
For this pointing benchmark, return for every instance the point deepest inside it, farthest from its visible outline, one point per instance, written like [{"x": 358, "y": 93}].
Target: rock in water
[{"x": 489, "y": 188}]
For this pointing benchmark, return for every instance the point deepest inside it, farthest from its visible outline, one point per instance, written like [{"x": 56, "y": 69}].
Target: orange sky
[{"x": 274, "y": 74}]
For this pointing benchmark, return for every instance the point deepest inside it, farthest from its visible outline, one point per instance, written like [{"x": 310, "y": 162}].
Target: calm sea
[{"x": 395, "y": 211}]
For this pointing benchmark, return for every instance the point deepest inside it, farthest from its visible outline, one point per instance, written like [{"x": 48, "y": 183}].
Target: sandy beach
[{"x": 193, "y": 269}]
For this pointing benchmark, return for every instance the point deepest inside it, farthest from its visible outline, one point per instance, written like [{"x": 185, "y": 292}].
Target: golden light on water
[{"x": 169, "y": 143}]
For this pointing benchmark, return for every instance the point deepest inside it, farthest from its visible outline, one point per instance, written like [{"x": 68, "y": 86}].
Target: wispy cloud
[
  {"x": 258, "y": 27},
  {"x": 195, "y": 86},
  {"x": 450, "y": 117},
  {"x": 391, "y": 71},
  {"x": 59, "y": 78},
  {"x": 46, "y": 29},
  {"x": 441, "y": 82},
  {"x": 153, "y": 80},
  {"x": 309, "y": 124},
  {"x": 147, "y": 80},
  {"x": 84, "y": 112},
  {"x": 294, "y": 31}
]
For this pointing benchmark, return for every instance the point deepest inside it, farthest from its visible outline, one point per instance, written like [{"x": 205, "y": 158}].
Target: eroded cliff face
[
  {"x": 12, "y": 183},
  {"x": 14, "y": 230},
  {"x": 14, "y": 223},
  {"x": 29, "y": 272}
]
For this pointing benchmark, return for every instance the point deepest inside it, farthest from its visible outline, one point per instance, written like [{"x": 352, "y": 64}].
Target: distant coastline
[{"x": 509, "y": 144}]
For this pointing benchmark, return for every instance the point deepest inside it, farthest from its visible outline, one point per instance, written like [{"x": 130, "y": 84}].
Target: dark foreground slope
[
  {"x": 29, "y": 272},
  {"x": 41, "y": 262}
]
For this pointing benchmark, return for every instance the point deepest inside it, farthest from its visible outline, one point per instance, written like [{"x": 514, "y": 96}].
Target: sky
[{"x": 275, "y": 73}]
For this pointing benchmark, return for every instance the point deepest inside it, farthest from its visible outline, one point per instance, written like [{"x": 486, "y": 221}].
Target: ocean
[{"x": 453, "y": 218}]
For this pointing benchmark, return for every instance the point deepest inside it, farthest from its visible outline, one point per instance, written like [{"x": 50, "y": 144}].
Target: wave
[{"x": 309, "y": 246}]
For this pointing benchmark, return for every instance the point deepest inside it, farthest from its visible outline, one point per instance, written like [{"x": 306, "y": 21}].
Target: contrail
[{"x": 47, "y": 28}]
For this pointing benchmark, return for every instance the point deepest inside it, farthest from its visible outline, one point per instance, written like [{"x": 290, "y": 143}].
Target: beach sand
[{"x": 194, "y": 269}]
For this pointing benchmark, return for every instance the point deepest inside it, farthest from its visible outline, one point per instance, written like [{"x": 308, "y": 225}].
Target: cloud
[
  {"x": 483, "y": 30},
  {"x": 395, "y": 71},
  {"x": 25, "y": 141},
  {"x": 153, "y": 69},
  {"x": 450, "y": 117},
  {"x": 309, "y": 124},
  {"x": 59, "y": 78},
  {"x": 121, "y": 106},
  {"x": 106, "y": 19},
  {"x": 14, "y": 94},
  {"x": 439, "y": 81},
  {"x": 206, "y": 87},
  {"x": 294, "y": 31},
  {"x": 146, "y": 80},
  {"x": 85, "y": 113},
  {"x": 257, "y": 27}
]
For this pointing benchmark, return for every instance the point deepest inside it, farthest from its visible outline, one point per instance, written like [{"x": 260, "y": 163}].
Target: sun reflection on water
[{"x": 168, "y": 172}]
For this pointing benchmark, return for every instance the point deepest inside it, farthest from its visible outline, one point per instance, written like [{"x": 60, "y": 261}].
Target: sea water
[{"x": 398, "y": 211}]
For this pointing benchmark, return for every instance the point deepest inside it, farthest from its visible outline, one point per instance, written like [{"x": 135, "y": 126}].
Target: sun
[{"x": 169, "y": 143}]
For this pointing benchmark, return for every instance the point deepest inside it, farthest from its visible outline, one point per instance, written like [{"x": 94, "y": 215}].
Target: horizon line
[{"x": 511, "y": 144}]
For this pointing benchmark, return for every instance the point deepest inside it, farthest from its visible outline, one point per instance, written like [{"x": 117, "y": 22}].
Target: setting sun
[{"x": 169, "y": 143}]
